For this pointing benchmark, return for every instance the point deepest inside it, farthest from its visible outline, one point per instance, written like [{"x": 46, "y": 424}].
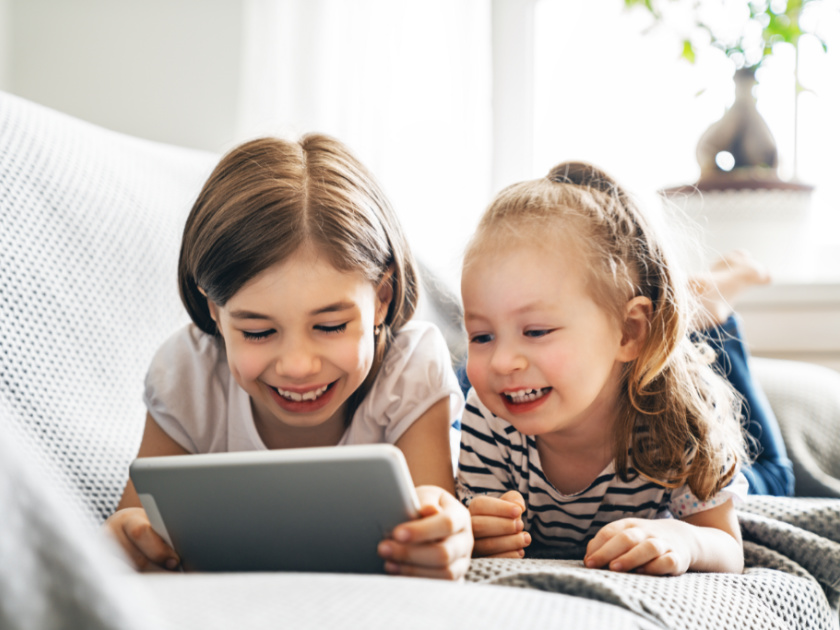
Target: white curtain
[{"x": 407, "y": 85}]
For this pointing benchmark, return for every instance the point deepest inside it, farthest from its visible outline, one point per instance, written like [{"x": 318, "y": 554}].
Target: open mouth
[
  {"x": 525, "y": 395},
  {"x": 311, "y": 395}
]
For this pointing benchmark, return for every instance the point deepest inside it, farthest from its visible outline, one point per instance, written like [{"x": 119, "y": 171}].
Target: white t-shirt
[{"x": 191, "y": 393}]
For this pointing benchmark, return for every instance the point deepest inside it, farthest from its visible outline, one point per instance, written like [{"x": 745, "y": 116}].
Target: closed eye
[
  {"x": 541, "y": 332},
  {"x": 332, "y": 329},
  {"x": 256, "y": 335}
]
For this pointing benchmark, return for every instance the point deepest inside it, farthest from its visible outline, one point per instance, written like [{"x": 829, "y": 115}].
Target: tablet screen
[{"x": 314, "y": 509}]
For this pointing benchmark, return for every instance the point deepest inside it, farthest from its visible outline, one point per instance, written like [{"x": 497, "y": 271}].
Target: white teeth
[
  {"x": 310, "y": 395},
  {"x": 526, "y": 395}
]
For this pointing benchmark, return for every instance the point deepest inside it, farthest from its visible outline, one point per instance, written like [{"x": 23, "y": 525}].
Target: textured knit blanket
[{"x": 792, "y": 579}]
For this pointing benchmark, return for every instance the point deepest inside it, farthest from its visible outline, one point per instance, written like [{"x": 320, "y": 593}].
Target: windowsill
[{"x": 793, "y": 320}]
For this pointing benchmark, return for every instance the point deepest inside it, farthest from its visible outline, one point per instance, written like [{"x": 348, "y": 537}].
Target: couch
[{"x": 90, "y": 222}]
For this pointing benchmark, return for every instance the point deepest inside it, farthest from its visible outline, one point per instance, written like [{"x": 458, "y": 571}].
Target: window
[{"x": 610, "y": 89}]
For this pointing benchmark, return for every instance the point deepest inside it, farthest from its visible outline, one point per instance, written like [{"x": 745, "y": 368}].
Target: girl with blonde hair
[{"x": 594, "y": 418}]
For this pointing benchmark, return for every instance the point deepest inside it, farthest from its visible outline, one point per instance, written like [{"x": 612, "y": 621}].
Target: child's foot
[{"x": 726, "y": 278}]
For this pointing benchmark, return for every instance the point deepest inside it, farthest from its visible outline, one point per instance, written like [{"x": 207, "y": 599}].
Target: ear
[
  {"x": 384, "y": 295},
  {"x": 213, "y": 308},
  {"x": 636, "y": 327}
]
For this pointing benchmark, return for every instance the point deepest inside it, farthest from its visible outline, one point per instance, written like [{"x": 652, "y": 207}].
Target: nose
[
  {"x": 507, "y": 357},
  {"x": 297, "y": 359}
]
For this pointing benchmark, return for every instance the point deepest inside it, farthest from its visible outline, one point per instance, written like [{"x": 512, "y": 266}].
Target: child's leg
[
  {"x": 772, "y": 471},
  {"x": 726, "y": 278}
]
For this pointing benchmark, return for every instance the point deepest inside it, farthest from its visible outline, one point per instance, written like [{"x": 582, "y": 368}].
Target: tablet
[{"x": 307, "y": 509}]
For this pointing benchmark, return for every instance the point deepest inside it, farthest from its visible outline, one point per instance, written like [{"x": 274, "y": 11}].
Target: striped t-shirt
[{"x": 496, "y": 458}]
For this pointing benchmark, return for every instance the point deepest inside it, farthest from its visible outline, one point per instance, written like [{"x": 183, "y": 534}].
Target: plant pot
[
  {"x": 741, "y": 138},
  {"x": 773, "y": 224},
  {"x": 746, "y": 206}
]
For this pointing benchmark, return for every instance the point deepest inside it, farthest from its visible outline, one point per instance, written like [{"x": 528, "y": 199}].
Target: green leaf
[
  {"x": 782, "y": 27},
  {"x": 688, "y": 51}
]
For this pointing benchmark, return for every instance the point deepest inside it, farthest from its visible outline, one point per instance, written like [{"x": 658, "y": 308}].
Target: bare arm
[
  {"x": 425, "y": 445},
  {"x": 718, "y": 544},
  {"x": 706, "y": 541}
]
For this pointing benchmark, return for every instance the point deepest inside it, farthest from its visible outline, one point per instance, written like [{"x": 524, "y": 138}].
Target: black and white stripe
[{"x": 495, "y": 458}]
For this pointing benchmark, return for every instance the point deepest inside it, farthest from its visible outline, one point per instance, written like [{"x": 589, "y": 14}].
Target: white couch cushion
[{"x": 91, "y": 224}]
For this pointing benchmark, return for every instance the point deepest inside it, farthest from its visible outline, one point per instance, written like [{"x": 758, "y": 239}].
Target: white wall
[
  {"x": 4, "y": 44},
  {"x": 159, "y": 69}
]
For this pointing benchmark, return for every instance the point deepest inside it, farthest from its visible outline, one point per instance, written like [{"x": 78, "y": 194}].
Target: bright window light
[{"x": 611, "y": 88}]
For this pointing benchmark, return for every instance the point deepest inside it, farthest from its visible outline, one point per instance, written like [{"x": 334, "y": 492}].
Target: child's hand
[
  {"x": 497, "y": 526},
  {"x": 148, "y": 551},
  {"x": 653, "y": 547},
  {"x": 438, "y": 544}
]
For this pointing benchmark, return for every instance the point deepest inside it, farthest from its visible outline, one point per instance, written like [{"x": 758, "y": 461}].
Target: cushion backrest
[
  {"x": 806, "y": 400},
  {"x": 90, "y": 223}
]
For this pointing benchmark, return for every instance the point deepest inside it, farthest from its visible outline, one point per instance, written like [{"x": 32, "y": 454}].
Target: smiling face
[
  {"x": 300, "y": 340},
  {"x": 542, "y": 354}
]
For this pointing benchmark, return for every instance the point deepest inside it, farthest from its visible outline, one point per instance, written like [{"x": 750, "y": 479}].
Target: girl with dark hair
[{"x": 301, "y": 286}]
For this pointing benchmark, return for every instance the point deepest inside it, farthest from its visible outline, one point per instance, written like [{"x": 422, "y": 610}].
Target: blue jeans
[{"x": 772, "y": 471}]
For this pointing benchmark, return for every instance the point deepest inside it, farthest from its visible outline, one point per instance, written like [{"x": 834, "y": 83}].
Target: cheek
[
  {"x": 558, "y": 364},
  {"x": 477, "y": 370},
  {"x": 246, "y": 364},
  {"x": 355, "y": 355}
]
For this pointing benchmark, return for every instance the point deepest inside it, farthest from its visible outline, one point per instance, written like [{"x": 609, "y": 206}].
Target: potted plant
[
  {"x": 738, "y": 150},
  {"x": 739, "y": 200}
]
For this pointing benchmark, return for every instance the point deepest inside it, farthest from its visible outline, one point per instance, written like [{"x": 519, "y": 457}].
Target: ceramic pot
[{"x": 744, "y": 135}]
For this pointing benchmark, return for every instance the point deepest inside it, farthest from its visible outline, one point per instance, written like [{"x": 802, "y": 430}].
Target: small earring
[{"x": 376, "y": 330}]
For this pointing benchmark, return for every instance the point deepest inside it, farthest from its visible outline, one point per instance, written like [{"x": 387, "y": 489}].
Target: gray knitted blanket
[{"x": 792, "y": 579}]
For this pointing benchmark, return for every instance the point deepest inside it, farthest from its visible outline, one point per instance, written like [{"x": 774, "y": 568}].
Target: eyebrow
[
  {"x": 531, "y": 306},
  {"x": 329, "y": 308}
]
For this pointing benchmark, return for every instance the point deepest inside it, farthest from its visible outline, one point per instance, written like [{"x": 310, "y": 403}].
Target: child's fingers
[
  {"x": 512, "y": 546},
  {"x": 145, "y": 547},
  {"x": 636, "y": 556},
  {"x": 493, "y": 506},
  {"x": 488, "y": 526},
  {"x": 613, "y": 541},
  {"x": 513, "y": 496},
  {"x": 156, "y": 550},
  {"x": 431, "y": 528},
  {"x": 666, "y": 564},
  {"x": 434, "y": 555},
  {"x": 438, "y": 544},
  {"x": 607, "y": 532},
  {"x": 437, "y": 521}
]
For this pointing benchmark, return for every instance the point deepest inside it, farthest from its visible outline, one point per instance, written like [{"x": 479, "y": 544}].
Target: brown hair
[
  {"x": 269, "y": 197},
  {"x": 678, "y": 419}
]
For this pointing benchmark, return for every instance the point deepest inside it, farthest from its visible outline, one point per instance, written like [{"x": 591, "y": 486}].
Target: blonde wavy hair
[
  {"x": 678, "y": 420},
  {"x": 268, "y": 198}
]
